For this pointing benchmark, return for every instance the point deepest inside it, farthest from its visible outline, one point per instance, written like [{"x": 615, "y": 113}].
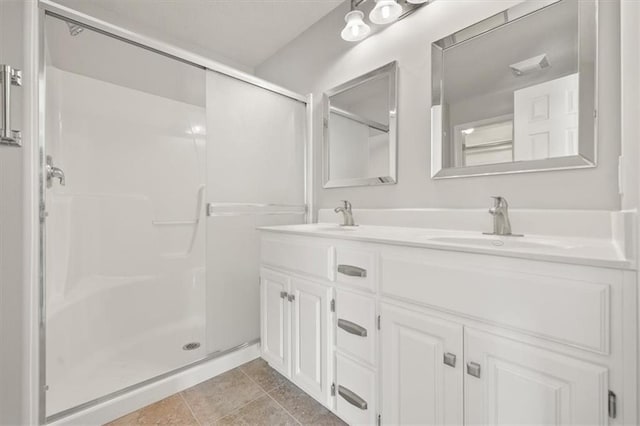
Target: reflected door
[{"x": 546, "y": 120}]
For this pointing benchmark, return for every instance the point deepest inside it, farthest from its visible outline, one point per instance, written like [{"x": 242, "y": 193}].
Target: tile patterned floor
[{"x": 251, "y": 394}]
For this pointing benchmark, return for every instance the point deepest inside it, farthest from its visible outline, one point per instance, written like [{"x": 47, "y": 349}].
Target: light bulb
[
  {"x": 417, "y": 1},
  {"x": 356, "y": 29},
  {"x": 385, "y": 12}
]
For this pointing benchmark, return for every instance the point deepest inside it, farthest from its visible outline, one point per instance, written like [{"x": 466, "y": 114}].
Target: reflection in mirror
[
  {"x": 360, "y": 130},
  {"x": 516, "y": 92}
]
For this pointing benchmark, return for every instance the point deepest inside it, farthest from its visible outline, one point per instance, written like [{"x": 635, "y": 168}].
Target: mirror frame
[
  {"x": 390, "y": 69},
  {"x": 588, "y": 28}
]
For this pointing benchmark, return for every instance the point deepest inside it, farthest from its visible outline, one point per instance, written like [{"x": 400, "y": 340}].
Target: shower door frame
[{"x": 37, "y": 175}]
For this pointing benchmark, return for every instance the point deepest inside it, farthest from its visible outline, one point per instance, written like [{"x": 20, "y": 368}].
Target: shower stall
[{"x": 157, "y": 169}]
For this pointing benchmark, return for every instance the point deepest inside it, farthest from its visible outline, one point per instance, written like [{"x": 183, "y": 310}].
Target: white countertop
[{"x": 599, "y": 252}]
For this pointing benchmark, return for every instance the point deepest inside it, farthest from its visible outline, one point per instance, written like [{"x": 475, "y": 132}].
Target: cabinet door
[
  {"x": 522, "y": 384},
  {"x": 275, "y": 320},
  {"x": 310, "y": 325},
  {"x": 417, "y": 386}
]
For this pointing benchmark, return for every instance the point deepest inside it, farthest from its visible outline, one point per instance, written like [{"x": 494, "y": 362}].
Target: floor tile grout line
[
  {"x": 264, "y": 393},
  {"x": 241, "y": 407},
  {"x": 190, "y": 409},
  {"x": 262, "y": 387},
  {"x": 286, "y": 411},
  {"x": 256, "y": 382},
  {"x": 271, "y": 397}
]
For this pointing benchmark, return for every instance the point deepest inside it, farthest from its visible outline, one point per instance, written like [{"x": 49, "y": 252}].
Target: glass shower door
[
  {"x": 255, "y": 177},
  {"x": 125, "y": 237}
]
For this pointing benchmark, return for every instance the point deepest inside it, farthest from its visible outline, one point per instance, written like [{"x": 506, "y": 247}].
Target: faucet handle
[
  {"x": 346, "y": 204},
  {"x": 499, "y": 200}
]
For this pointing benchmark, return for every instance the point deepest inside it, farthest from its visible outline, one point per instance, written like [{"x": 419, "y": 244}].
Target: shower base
[{"x": 130, "y": 399}]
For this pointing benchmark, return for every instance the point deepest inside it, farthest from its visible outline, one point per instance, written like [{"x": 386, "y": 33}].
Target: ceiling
[
  {"x": 241, "y": 33},
  {"x": 481, "y": 65}
]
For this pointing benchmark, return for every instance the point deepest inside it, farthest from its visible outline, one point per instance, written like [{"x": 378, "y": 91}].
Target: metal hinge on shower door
[{"x": 8, "y": 77}]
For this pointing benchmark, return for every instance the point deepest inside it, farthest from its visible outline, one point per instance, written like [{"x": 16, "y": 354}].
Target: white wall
[
  {"x": 319, "y": 59},
  {"x": 12, "y": 290},
  {"x": 630, "y": 71},
  {"x": 630, "y": 12}
]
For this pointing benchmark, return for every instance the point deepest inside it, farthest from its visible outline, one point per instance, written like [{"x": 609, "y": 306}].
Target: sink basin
[{"x": 504, "y": 242}]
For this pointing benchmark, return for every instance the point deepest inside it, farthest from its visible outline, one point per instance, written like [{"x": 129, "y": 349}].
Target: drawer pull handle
[
  {"x": 352, "y": 397},
  {"x": 352, "y": 328},
  {"x": 473, "y": 369},
  {"x": 352, "y": 271},
  {"x": 450, "y": 359}
]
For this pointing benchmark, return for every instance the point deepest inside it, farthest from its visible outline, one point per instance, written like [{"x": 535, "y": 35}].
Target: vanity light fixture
[
  {"x": 356, "y": 29},
  {"x": 74, "y": 29},
  {"x": 380, "y": 12},
  {"x": 385, "y": 12}
]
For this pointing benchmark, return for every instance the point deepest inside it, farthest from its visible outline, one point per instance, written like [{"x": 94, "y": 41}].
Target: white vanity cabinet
[
  {"x": 422, "y": 368},
  {"x": 295, "y": 326},
  {"x": 275, "y": 318},
  {"x": 430, "y": 377},
  {"x": 514, "y": 383},
  {"x": 392, "y": 334}
]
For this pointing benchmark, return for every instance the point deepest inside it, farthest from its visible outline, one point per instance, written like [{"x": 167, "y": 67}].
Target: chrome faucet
[
  {"x": 345, "y": 209},
  {"x": 501, "y": 222},
  {"x": 54, "y": 172}
]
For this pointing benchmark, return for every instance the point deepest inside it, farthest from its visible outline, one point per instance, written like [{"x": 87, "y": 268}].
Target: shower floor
[
  {"x": 149, "y": 357},
  {"x": 253, "y": 393}
]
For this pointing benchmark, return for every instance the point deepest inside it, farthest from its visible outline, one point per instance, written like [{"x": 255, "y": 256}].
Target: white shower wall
[{"x": 125, "y": 237}]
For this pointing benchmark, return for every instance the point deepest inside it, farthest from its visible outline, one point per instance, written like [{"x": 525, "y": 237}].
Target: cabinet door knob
[
  {"x": 283, "y": 295},
  {"x": 450, "y": 359},
  {"x": 291, "y": 297},
  {"x": 473, "y": 369}
]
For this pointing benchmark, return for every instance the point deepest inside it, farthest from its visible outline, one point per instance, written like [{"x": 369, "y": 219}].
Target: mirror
[
  {"x": 360, "y": 130},
  {"x": 516, "y": 92}
]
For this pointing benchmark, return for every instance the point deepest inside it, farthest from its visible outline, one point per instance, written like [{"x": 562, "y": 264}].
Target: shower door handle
[{"x": 8, "y": 77}]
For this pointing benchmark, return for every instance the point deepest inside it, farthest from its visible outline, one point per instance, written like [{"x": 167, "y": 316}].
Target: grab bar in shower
[
  {"x": 174, "y": 222},
  {"x": 199, "y": 201},
  {"x": 249, "y": 209}
]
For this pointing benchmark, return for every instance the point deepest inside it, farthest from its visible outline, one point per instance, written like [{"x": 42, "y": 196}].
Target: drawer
[
  {"x": 569, "y": 304},
  {"x": 356, "y": 267},
  {"x": 356, "y": 325},
  {"x": 355, "y": 392},
  {"x": 298, "y": 254}
]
